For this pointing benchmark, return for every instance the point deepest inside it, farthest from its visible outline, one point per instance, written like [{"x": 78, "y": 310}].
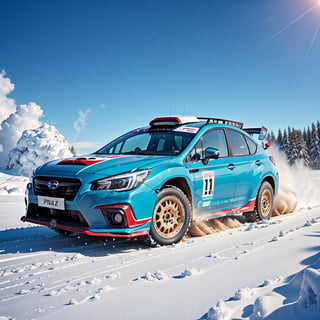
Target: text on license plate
[{"x": 50, "y": 202}]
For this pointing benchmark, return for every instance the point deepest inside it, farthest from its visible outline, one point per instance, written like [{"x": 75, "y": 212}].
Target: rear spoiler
[{"x": 262, "y": 132}]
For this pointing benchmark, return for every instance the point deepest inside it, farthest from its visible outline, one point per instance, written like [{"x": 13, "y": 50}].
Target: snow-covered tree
[
  {"x": 297, "y": 148},
  {"x": 37, "y": 146},
  {"x": 315, "y": 148},
  {"x": 285, "y": 142},
  {"x": 279, "y": 138}
]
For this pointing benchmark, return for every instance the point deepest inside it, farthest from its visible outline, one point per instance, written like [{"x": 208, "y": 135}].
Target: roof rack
[{"x": 222, "y": 121}]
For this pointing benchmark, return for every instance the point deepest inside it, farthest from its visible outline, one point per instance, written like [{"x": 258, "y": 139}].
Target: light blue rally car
[{"x": 154, "y": 181}]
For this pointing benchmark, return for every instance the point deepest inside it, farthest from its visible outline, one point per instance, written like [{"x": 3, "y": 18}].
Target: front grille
[
  {"x": 67, "y": 188},
  {"x": 69, "y": 218}
]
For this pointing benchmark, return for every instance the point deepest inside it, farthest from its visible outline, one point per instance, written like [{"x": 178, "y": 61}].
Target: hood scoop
[{"x": 81, "y": 161}]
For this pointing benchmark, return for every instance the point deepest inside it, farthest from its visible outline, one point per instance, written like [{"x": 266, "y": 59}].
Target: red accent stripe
[
  {"x": 90, "y": 233},
  {"x": 247, "y": 208},
  {"x": 80, "y": 161},
  {"x": 86, "y": 162},
  {"x": 132, "y": 221}
]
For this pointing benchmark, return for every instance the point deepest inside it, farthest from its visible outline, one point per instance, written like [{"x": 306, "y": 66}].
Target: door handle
[
  {"x": 258, "y": 163},
  {"x": 231, "y": 166}
]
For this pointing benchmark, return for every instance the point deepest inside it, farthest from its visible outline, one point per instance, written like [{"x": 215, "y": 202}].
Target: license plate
[{"x": 52, "y": 203}]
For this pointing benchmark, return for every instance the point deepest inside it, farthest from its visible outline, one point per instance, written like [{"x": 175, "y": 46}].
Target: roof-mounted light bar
[
  {"x": 173, "y": 121},
  {"x": 222, "y": 121}
]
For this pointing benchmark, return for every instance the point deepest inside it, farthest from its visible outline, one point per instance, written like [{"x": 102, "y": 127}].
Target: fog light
[
  {"x": 115, "y": 217},
  {"x": 118, "y": 218}
]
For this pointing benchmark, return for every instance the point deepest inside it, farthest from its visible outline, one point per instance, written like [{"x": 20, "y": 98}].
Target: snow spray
[
  {"x": 286, "y": 200},
  {"x": 298, "y": 187}
]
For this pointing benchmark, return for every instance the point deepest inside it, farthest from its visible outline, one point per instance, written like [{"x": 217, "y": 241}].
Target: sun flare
[{"x": 295, "y": 20}]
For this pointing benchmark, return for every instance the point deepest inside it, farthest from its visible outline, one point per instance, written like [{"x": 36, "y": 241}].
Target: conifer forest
[{"x": 299, "y": 145}]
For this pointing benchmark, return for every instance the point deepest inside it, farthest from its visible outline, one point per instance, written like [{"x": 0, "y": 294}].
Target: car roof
[{"x": 192, "y": 121}]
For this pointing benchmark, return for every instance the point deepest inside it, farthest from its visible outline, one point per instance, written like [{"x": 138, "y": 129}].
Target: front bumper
[{"x": 93, "y": 212}]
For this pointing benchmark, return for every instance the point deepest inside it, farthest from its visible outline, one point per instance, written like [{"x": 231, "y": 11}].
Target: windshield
[{"x": 147, "y": 142}]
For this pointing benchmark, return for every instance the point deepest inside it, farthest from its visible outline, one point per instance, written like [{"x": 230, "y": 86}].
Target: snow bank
[
  {"x": 310, "y": 289},
  {"x": 24, "y": 141},
  {"x": 25, "y": 117},
  {"x": 37, "y": 146},
  {"x": 219, "y": 312}
]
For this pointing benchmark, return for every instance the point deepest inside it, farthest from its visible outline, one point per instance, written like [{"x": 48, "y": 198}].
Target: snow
[
  {"x": 262, "y": 270},
  {"x": 25, "y": 142},
  {"x": 37, "y": 146}
]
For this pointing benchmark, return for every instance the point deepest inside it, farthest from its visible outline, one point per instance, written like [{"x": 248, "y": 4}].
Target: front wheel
[
  {"x": 171, "y": 216},
  {"x": 264, "y": 202}
]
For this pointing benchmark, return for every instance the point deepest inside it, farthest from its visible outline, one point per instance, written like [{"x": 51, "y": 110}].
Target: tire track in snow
[{"x": 85, "y": 273}]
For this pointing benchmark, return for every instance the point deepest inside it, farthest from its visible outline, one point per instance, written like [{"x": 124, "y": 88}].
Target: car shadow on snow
[{"x": 39, "y": 239}]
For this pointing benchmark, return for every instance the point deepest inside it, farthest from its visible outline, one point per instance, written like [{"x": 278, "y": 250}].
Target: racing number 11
[{"x": 208, "y": 184}]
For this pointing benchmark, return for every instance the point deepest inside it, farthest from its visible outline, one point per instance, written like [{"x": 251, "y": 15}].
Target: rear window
[
  {"x": 238, "y": 143},
  {"x": 252, "y": 145}
]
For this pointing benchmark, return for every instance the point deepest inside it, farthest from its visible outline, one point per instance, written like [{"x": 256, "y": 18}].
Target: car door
[
  {"x": 246, "y": 163},
  {"x": 213, "y": 182}
]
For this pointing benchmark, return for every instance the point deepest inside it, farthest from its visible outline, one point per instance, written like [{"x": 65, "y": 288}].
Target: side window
[
  {"x": 212, "y": 139},
  {"x": 216, "y": 139},
  {"x": 238, "y": 143},
  {"x": 252, "y": 145},
  {"x": 196, "y": 154}
]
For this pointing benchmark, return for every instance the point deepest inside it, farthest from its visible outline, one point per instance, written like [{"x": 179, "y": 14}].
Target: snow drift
[
  {"x": 25, "y": 142},
  {"x": 36, "y": 147}
]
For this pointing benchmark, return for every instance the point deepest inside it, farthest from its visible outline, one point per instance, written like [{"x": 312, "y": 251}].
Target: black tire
[
  {"x": 264, "y": 201},
  {"x": 171, "y": 216}
]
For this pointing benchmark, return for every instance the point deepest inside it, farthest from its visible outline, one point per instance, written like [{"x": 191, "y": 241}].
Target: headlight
[{"x": 122, "y": 182}]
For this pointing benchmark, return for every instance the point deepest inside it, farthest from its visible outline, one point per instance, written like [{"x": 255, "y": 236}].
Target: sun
[{"x": 298, "y": 18}]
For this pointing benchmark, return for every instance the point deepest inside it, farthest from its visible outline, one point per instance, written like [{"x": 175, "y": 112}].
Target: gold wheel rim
[
  {"x": 266, "y": 203},
  {"x": 168, "y": 217}
]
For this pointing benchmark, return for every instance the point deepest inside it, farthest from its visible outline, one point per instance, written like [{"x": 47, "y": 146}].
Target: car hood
[{"x": 107, "y": 165}]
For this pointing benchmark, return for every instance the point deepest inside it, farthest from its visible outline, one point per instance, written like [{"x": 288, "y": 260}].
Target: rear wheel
[
  {"x": 171, "y": 216},
  {"x": 264, "y": 202}
]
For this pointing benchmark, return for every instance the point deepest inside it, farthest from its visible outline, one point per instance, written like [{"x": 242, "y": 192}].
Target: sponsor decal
[
  {"x": 208, "y": 184},
  {"x": 187, "y": 129}
]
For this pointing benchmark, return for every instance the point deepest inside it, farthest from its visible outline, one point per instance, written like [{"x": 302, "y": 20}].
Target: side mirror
[{"x": 210, "y": 153}]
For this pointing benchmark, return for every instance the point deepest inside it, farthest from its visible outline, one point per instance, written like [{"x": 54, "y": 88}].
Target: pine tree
[
  {"x": 315, "y": 148},
  {"x": 291, "y": 149},
  {"x": 285, "y": 142},
  {"x": 299, "y": 145},
  {"x": 303, "y": 150},
  {"x": 279, "y": 138},
  {"x": 297, "y": 148}
]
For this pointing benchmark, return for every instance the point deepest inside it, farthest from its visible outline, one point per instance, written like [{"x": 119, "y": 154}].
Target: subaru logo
[{"x": 53, "y": 184}]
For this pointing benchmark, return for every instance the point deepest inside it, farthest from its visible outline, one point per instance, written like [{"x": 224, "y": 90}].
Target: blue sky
[{"x": 110, "y": 66}]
